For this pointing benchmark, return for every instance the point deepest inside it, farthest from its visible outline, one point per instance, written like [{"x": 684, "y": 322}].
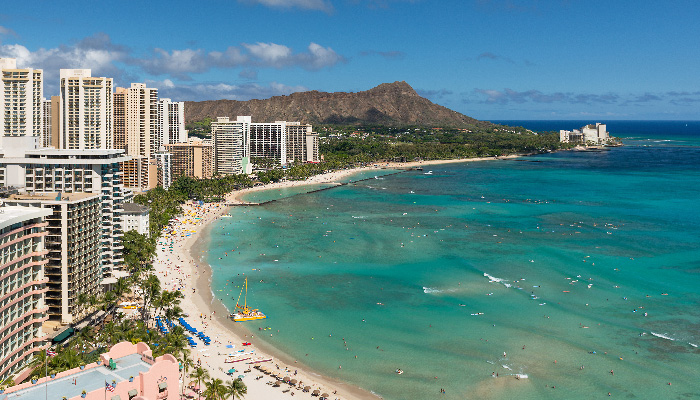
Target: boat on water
[{"x": 243, "y": 312}]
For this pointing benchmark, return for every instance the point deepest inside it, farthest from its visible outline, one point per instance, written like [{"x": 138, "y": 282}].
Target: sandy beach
[
  {"x": 179, "y": 266},
  {"x": 335, "y": 176}
]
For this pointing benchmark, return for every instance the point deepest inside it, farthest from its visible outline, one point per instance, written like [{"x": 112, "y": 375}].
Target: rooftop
[
  {"x": 88, "y": 380},
  {"x": 10, "y": 215},
  {"x": 134, "y": 208},
  {"x": 55, "y": 196}
]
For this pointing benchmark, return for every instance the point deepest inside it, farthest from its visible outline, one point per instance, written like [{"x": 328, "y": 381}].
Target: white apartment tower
[
  {"x": 46, "y": 123},
  {"x": 172, "y": 122},
  {"x": 269, "y": 140},
  {"x": 142, "y": 120},
  {"x": 164, "y": 167},
  {"x": 229, "y": 146},
  {"x": 86, "y": 118},
  {"x": 302, "y": 143},
  {"x": 21, "y": 100}
]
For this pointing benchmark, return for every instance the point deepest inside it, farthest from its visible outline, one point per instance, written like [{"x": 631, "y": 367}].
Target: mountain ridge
[{"x": 390, "y": 104}]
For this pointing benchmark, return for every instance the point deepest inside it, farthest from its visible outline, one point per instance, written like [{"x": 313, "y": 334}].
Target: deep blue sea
[{"x": 559, "y": 267}]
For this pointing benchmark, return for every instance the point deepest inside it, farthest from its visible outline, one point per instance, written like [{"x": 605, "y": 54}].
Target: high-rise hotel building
[
  {"x": 72, "y": 264},
  {"x": 97, "y": 172},
  {"x": 21, "y": 99},
  {"x": 269, "y": 140},
  {"x": 22, "y": 286},
  {"x": 194, "y": 159},
  {"x": 172, "y": 121},
  {"x": 142, "y": 120},
  {"x": 86, "y": 117},
  {"x": 302, "y": 143},
  {"x": 137, "y": 130},
  {"x": 229, "y": 146}
]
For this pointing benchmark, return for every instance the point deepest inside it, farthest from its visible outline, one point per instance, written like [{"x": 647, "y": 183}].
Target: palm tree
[
  {"x": 121, "y": 287},
  {"x": 236, "y": 388},
  {"x": 81, "y": 303},
  {"x": 199, "y": 374},
  {"x": 150, "y": 288},
  {"x": 186, "y": 363},
  {"x": 38, "y": 362},
  {"x": 215, "y": 389}
]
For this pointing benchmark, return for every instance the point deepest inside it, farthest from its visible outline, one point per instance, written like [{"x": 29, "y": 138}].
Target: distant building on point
[{"x": 589, "y": 134}]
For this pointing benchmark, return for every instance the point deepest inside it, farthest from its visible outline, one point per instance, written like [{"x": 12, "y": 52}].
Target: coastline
[
  {"x": 180, "y": 265},
  {"x": 183, "y": 269},
  {"x": 234, "y": 198}
]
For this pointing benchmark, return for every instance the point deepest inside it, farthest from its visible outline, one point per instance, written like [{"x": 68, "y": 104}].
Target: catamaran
[{"x": 244, "y": 313}]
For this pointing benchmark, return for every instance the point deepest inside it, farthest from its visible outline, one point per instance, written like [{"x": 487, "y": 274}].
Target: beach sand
[
  {"x": 336, "y": 176},
  {"x": 180, "y": 265}
]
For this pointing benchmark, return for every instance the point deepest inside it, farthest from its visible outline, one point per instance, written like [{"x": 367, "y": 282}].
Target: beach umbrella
[
  {"x": 316, "y": 392},
  {"x": 293, "y": 382},
  {"x": 286, "y": 379},
  {"x": 241, "y": 376},
  {"x": 324, "y": 395},
  {"x": 307, "y": 388},
  {"x": 231, "y": 371}
]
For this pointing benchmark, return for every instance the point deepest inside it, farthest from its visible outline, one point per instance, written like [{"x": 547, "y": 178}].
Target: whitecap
[
  {"x": 431, "y": 290},
  {"x": 662, "y": 336}
]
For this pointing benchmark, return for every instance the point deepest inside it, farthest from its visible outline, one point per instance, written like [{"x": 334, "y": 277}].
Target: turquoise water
[
  {"x": 263, "y": 196},
  {"x": 554, "y": 257}
]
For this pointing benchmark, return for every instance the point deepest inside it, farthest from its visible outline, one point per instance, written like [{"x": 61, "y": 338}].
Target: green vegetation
[
  {"x": 373, "y": 144},
  {"x": 201, "y": 129}
]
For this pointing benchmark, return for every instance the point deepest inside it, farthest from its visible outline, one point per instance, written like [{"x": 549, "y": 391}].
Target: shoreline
[
  {"x": 180, "y": 265},
  {"x": 234, "y": 198}
]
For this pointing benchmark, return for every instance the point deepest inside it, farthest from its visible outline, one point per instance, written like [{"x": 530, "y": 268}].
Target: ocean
[{"x": 577, "y": 272}]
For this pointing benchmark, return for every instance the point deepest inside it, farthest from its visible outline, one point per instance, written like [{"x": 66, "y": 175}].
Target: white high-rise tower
[{"x": 86, "y": 119}]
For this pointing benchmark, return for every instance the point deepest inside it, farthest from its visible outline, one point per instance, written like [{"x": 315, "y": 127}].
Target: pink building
[
  {"x": 22, "y": 286},
  {"x": 127, "y": 372}
]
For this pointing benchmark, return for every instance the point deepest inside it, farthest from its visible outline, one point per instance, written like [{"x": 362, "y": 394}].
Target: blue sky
[{"x": 498, "y": 59}]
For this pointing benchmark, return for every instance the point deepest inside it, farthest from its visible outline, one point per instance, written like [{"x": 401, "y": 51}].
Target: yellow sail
[{"x": 244, "y": 313}]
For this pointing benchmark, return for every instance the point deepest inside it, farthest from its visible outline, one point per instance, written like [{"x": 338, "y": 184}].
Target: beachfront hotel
[
  {"x": 229, "y": 146},
  {"x": 85, "y": 116},
  {"x": 281, "y": 142},
  {"x": 72, "y": 262},
  {"x": 591, "y": 133},
  {"x": 22, "y": 286},
  {"x": 126, "y": 372},
  {"x": 269, "y": 140},
  {"x": 38, "y": 171},
  {"x": 194, "y": 159},
  {"x": 302, "y": 143}
]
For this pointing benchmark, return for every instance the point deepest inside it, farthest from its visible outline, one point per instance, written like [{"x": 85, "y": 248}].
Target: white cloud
[
  {"x": 181, "y": 63},
  {"x": 270, "y": 53},
  {"x": 512, "y": 96},
  {"x": 320, "y": 57},
  {"x": 220, "y": 90},
  {"x": 106, "y": 58},
  {"x": 321, "y": 5},
  {"x": 95, "y": 52}
]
